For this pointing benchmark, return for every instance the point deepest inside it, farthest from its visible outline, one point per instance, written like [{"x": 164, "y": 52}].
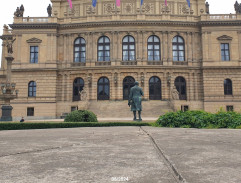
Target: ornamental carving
[
  {"x": 148, "y": 8},
  {"x": 110, "y": 9},
  {"x": 74, "y": 12},
  {"x": 128, "y": 8},
  {"x": 169, "y": 9},
  {"x": 90, "y": 10},
  {"x": 224, "y": 38},
  {"x": 183, "y": 9}
]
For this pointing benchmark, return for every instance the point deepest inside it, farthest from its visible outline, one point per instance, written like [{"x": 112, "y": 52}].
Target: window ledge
[
  {"x": 77, "y": 64},
  {"x": 129, "y": 63},
  {"x": 102, "y": 63}
]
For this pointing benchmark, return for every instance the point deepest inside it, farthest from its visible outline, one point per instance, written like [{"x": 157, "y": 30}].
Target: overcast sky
[{"x": 37, "y": 8}]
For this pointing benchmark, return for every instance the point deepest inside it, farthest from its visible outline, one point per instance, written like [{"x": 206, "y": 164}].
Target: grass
[{"x": 45, "y": 125}]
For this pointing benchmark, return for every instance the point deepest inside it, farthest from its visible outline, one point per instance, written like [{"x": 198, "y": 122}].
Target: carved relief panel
[
  {"x": 183, "y": 9},
  {"x": 128, "y": 7},
  {"x": 74, "y": 12},
  {"x": 109, "y": 8},
  {"x": 169, "y": 9},
  {"x": 148, "y": 8},
  {"x": 89, "y": 9}
]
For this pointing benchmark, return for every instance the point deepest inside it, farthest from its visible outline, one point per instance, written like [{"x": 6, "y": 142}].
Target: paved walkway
[{"x": 120, "y": 154}]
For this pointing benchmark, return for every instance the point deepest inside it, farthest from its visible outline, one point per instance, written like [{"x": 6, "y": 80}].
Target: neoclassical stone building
[{"x": 88, "y": 58}]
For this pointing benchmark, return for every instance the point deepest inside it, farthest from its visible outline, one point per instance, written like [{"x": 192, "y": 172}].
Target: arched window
[
  {"x": 155, "y": 92},
  {"x": 78, "y": 86},
  {"x": 153, "y": 47},
  {"x": 180, "y": 84},
  {"x": 128, "y": 83},
  {"x": 32, "y": 89},
  {"x": 128, "y": 48},
  {"x": 178, "y": 49},
  {"x": 103, "y": 92},
  {"x": 79, "y": 50},
  {"x": 228, "y": 87},
  {"x": 104, "y": 49}
]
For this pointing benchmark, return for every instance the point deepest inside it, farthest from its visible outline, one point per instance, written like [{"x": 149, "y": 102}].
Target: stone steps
[{"x": 120, "y": 109}]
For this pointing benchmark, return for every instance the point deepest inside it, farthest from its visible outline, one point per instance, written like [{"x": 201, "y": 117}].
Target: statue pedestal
[{"x": 6, "y": 113}]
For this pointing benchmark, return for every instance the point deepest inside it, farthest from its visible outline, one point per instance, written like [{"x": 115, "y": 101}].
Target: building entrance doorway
[{"x": 128, "y": 82}]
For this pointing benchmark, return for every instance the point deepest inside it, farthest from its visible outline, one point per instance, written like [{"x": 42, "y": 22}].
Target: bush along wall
[
  {"x": 200, "y": 119},
  {"x": 81, "y": 116}
]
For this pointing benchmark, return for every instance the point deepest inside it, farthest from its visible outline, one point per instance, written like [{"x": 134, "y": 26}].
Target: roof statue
[{"x": 237, "y": 7}]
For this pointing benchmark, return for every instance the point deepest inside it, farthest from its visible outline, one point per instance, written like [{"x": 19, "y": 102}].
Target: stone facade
[{"x": 54, "y": 74}]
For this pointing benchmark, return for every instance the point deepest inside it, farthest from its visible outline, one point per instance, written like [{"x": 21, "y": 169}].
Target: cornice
[
  {"x": 35, "y": 26},
  {"x": 123, "y": 23},
  {"x": 222, "y": 23}
]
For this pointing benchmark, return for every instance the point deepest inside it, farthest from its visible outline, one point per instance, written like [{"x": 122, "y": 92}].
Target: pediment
[
  {"x": 34, "y": 40},
  {"x": 224, "y": 37}
]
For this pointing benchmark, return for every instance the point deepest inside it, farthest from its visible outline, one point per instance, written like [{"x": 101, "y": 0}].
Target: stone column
[
  {"x": 239, "y": 44},
  {"x": 209, "y": 46},
  {"x": 169, "y": 48}
]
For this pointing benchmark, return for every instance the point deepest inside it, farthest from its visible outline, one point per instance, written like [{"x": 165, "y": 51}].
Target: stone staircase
[{"x": 120, "y": 109}]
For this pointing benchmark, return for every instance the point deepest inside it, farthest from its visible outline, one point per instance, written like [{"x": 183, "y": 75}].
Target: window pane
[
  {"x": 150, "y": 47},
  {"x": 36, "y": 48},
  {"x": 100, "y": 58},
  {"x": 156, "y": 53},
  {"x": 132, "y": 47},
  {"x": 157, "y": 57},
  {"x": 180, "y": 47},
  {"x": 131, "y": 39},
  {"x": 174, "y": 47},
  {"x": 222, "y": 46},
  {"x": 174, "y": 39},
  {"x": 82, "y": 48},
  {"x": 174, "y": 53},
  {"x": 82, "y": 54},
  {"x": 125, "y": 39},
  {"x": 156, "y": 39},
  {"x": 180, "y": 40},
  {"x": 101, "y": 40},
  {"x": 125, "y": 47},
  {"x": 77, "y": 41},
  {"x": 150, "y": 53},
  {"x": 150, "y": 58},
  {"x": 156, "y": 47},
  {"x": 181, "y": 53},
  {"x": 150, "y": 39},
  {"x": 82, "y": 41},
  {"x": 107, "y": 53},
  {"x": 76, "y": 48},
  {"x": 107, "y": 47}
]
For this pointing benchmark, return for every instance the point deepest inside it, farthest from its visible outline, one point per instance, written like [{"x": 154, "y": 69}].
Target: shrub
[
  {"x": 192, "y": 119},
  {"x": 81, "y": 116},
  {"x": 200, "y": 119}
]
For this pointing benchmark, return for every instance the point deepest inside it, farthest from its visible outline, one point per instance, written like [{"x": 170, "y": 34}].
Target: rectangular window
[
  {"x": 225, "y": 53},
  {"x": 33, "y": 54},
  {"x": 184, "y": 108},
  {"x": 74, "y": 108},
  {"x": 30, "y": 111},
  {"x": 229, "y": 108}
]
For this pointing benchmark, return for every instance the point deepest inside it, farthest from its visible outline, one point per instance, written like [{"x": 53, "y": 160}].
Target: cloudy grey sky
[{"x": 37, "y": 8}]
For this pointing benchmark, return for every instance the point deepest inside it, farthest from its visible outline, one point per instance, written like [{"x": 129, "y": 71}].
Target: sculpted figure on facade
[
  {"x": 19, "y": 11},
  {"x": 49, "y": 10},
  {"x": 83, "y": 95},
  {"x": 9, "y": 45},
  {"x": 237, "y": 7},
  {"x": 175, "y": 93}
]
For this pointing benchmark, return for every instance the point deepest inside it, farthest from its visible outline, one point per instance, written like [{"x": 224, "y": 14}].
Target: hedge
[
  {"x": 21, "y": 126},
  {"x": 200, "y": 119}
]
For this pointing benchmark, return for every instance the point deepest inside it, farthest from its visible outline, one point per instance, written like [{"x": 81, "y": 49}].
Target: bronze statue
[
  {"x": 49, "y": 10},
  {"x": 207, "y": 7},
  {"x": 135, "y": 100},
  {"x": 19, "y": 11},
  {"x": 237, "y": 7},
  {"x": 9, "y": 46}
]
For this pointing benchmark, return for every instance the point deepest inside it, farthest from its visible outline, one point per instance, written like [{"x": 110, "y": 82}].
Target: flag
[
  {"x": 188, "y": 2},
  {"x": 141, "y": 2},
  {"x": 70, "y": 3},
  {"x": 117, "y": 2},
  {"x": 94, "y": 3},
  {"x": 166, "y": 2}
]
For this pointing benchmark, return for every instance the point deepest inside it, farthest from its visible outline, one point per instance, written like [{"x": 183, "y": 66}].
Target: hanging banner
[
  {"x": 70, "y": 3},
  {"x": 94, "y": 3},
  {"x": 166, "y": 2},
  {"x": 141, "y": 2},
  {"x": 117, "y": 2},
  {"x": 188, "y": 2}
]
